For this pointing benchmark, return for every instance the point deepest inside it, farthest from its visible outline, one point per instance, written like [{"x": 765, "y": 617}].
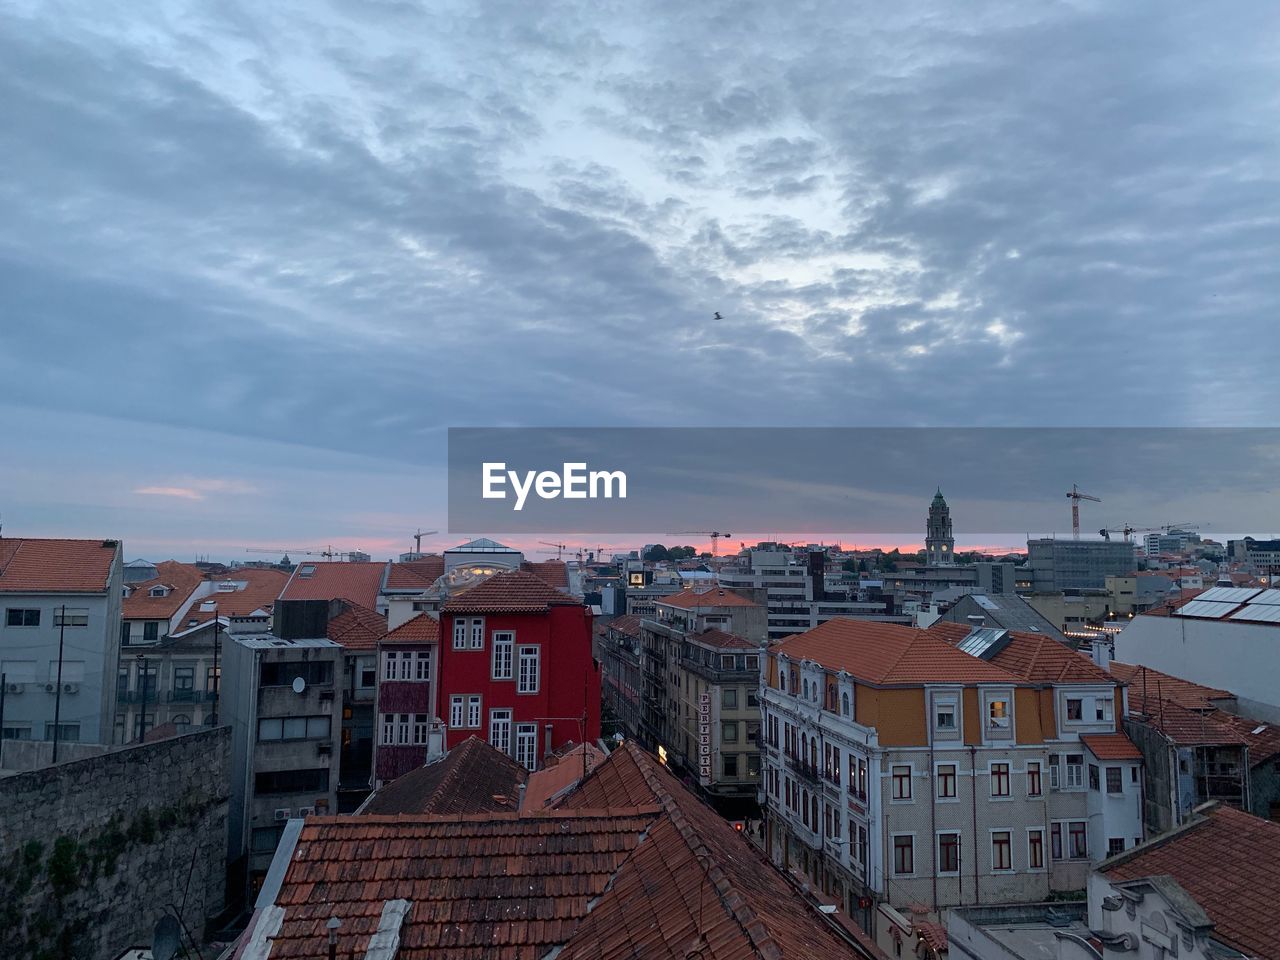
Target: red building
[
  {"x": 406, "y": 718},
  {"x": 516, "y": 668}
]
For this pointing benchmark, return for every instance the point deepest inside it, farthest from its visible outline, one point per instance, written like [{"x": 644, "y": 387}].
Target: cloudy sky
[{"x": 255, "y": 258}]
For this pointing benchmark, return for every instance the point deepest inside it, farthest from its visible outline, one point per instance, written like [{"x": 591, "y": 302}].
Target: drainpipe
[
  {"x": 973, "y": 794},
  {"x": 933, "y": 820}
]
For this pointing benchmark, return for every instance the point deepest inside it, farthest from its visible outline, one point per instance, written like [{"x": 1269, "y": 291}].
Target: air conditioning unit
[
  {"x": 50, "y": 688},
  {"x": 324, "y": 746},
  {"x": 282, "y": 813},
  {"x": 306, "y": 811},
  {"x": 326, "y": 693},
  {"x": 14, "y": 687},
  {"x": 71, "y": 688}
]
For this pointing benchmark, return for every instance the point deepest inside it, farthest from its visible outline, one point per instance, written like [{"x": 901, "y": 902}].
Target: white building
[
  {"x": 60, "y": 595},
  {"x": 942, "y": 767}
]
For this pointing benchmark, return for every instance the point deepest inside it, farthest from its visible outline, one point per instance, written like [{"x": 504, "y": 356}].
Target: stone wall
[{"x": 94, "y": 851}]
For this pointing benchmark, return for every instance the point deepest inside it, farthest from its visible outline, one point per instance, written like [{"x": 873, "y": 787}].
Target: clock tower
[{"x": 939, "y": 545}]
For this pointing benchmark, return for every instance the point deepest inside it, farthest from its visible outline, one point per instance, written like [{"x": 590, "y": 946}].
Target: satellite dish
[
  {"x": 299, "y": 684},
  {"x": 166, "y": 939}
]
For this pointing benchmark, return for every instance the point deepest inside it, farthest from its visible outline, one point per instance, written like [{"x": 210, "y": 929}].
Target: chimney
[
  {"x": 976, "y": 620},
  {"x": 1101, "y": 650}
]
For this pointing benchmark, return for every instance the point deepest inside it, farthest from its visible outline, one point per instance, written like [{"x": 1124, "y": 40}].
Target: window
[
  {"x": 948, "y": 853},
  {"x": 421, "y": 728},
  {"x": 460, "y": 633},
  {"x": 473, "y": 712},
  {"x": 503, "y": 647},
  {"x": 753, "y": 765},
  {"x": 998, "y": 714},
  {"x": 1115, "y": 845},
  {"x": 529, "y": 663},
  {"x": 1093, "y": 777},
  {"x": 946, "y": 781},
  {"x": 403, "y": 721},
  {"x": 388, "y": 728},
  {"x": 1079, "y": 836},
  {"x": 944, "y": 717},
  {"x": 730, "y": 765},
  {"x": 477, "y": 633},
  {"x": 1055, "y": 835},
  {"x": 1035, "y": 849},
  {"x": 21, "y": 730},
  {"x": 1115, "y": 780},
  {"x": 904, "y": 855},
  {"x": 902, "y": 783},
  {"x": 184, "y": 683},
  {"x": 150, "y": 631},
  {"x": 265, "y": 839},
  {"x": 1001, "y": 850},
  {"x": 527, "y": 745},
  {"x": 1075, "y": 708},
  {"x": 68, "y": 732},
  {"x": 292, "y": 781},
  {"x": 752, "y": 699},
  {"x": 282, "y": 673},
  {"x": 457, "y": 708},
  {"x": 212, "y": 679},
  {"x": 1075, "y": 770},
  {"x": 729, "y": 731},
  {"x": 125, "y": 629},
  {"x": 1033, "y": 778},
  {"x": 1102, "y": 709},
  {"x": 21, "y": 617},
  {"x": 390, "y": 665},
  {"x": 753, "y": 736},
  {"x": 294, "y": 728},
  {"x": 752, "y": 661},
  {"x": 70, "y": 616},
  {"x": 844, "y": 704},
  {"x": 729, "y": 698},
  {"x": 500, "y": 730},
  {"x": 1000, "y": 779}
]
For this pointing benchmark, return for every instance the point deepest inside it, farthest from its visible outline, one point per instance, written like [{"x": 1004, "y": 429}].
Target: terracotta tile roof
[
  {"x": 261, "y": 587},
  {"x": 515, "y": 591},
  {"x": 1226, "y": 860},
  {"x": 621, "y": 779},
  {"x": 1186, "y": 727},
  {"x": 358, "y": 582},
  {"x": 889, "y": 653},
  {"x": 1263, "y": 737},
  {"x": 628, "y": 625},
  {"x": 357, "y": 627},
  {"x": 690, "y": 599},
  {"x": 722, "y": 640},
  {"x": 415, "y": 574},
  {"x": 473, "y": 777},
  {"x": 1111, "y": 746},
  {"x": 29, "y": 565},
  {"x": 655, "y": 879},
  {"x": 554, "y": 572},
  {"x": 1033, "y": 657},
  {"x": 696, "y": 882},
  {"x": 567, "y": 770},
  {"x": 181, "y": 578},
  {"x": 423, "y": 628},
  {"x": 491, "y": 885},
  {"x": 933, "y": 934},
  {"x": 1157, "y": 685}
]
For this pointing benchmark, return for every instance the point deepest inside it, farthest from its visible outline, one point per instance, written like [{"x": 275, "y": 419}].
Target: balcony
[{"x": 803, "y": 770}]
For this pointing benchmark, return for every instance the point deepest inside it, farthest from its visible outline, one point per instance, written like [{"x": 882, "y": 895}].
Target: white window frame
[
  {"x": 390, "y": 665},
  {"x": 1070, "y": 782},
  {"x": 457, "y": 710},
  {"x": 526, "y": 745},
  {"x": 460, "y": 633},
  {"x": 991, "y": 839},
  {"x": 388, "y": 729},
  {"x": 954, "y": 797},
  {"x": 477, "y": 633},
  {"x": 500, "y": 719},
  {"x": 404, "y": 722},
  {"x": 893, "y": 783},
  {"x": 1040, "y": 771},
  {"x": 530, "y": 680},
  {"x": 1008, "y": 779},
  {"x": 421, "y": 729},
  {"x": 502, "y": 663},
  {"x": 893, "y": 854},
  {"x": 1104, "y": 706},
  {"x": 937, "y": 851},
  {"x": 422, "y": 666},
  {"x": 1044, "y": 849},
  {"x": 473, "y": 711}
]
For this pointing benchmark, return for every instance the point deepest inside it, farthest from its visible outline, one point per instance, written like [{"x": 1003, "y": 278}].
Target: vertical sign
[{"x": 704, "y": 738}]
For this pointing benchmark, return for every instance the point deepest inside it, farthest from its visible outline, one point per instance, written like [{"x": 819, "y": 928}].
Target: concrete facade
[
  {"x": 85, "y": 700},
  {"x": 96, "y": 849},
  {"x": 1058, "y": 565}
]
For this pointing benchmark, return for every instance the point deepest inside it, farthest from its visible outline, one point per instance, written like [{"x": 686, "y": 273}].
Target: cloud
[
  {"x": 342, "y": 228},
  {"x": 183, "y": 493}
]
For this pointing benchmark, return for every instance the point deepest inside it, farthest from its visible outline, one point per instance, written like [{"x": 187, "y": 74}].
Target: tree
[{"x": 657, "y": 552}]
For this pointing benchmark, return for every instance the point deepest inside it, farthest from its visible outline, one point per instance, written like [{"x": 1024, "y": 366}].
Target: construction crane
[
  {"x": 328, "y": 553},
  {"x": 417, "y": 538},
  {"x": 560, "y": 548},
  {"x": 715, "y": 536},
  {"x": 1075, "y": 496},
  {"x": 1127, "y": 530}
]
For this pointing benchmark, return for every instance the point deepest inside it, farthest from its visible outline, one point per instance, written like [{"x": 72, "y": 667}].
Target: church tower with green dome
[{"x": 939, "y": 545}]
